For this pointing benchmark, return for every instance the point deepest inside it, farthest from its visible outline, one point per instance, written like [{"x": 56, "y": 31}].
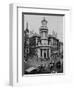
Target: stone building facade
[{"x": 45, "y": 44}]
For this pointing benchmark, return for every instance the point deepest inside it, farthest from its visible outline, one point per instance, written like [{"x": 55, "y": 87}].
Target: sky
[{"x": 54, "y": 23}]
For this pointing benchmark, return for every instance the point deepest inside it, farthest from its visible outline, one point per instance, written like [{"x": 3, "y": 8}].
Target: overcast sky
[{"x": 54, "y": 23}]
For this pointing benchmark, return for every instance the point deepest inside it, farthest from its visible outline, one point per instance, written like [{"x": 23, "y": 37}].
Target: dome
[{"x": 44, "y": 25}]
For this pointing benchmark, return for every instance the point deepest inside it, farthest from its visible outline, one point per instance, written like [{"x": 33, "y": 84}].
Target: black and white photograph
[{"x": 42, "y": 43}]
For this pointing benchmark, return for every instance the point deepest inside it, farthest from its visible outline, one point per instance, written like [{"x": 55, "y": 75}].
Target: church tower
[
  {"x": 27, "y": 30},
  {"x": 44, "y": 32},
  {"x": 26, "y": 41}
]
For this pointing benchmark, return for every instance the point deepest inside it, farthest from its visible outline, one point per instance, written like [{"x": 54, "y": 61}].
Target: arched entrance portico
[{"x": 44, "y": 52}]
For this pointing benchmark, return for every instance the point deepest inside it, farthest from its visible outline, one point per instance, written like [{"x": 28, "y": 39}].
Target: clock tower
[{"x": 44, "y": 32}]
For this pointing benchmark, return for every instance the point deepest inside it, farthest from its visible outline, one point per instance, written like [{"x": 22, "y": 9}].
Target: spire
[
  {"x": 54, "y": 33},
  {"x": 27, "y": 27},
  {"x": 44, "y": 18},
  {"x": 44, "y": 22}
]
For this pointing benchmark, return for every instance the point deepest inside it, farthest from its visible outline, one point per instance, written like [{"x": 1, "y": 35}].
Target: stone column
[
  {"x": 46, "y": 53},
  {"x": 49, "y": 52},
  {"x": 42, "y": 53},
  {"x": 38, "y": 52}
]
